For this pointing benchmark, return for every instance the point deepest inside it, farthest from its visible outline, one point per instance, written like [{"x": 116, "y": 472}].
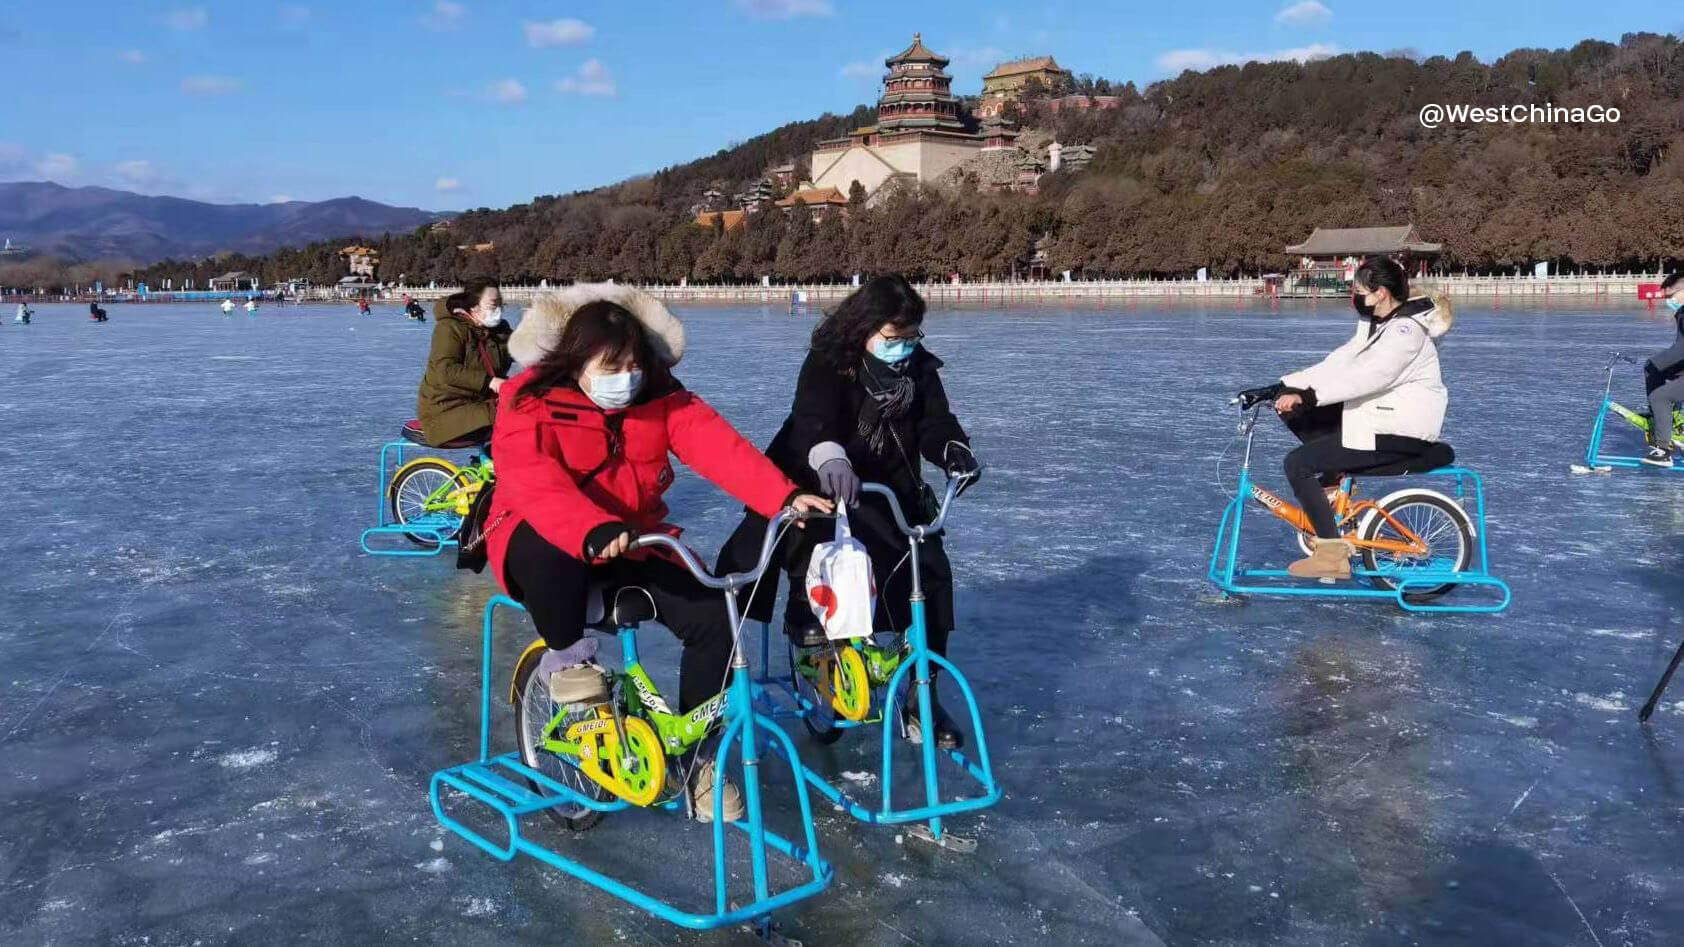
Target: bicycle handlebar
[
  {"x": 725, "y": 582},
  {"x": 954, "y": 481}
]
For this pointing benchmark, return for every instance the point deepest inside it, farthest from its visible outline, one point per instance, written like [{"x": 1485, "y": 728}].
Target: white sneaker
[
  {"x": 1658, "y": 457},
  {"x": 701, "y": 795},
  {"x": 579, "y": 684}
]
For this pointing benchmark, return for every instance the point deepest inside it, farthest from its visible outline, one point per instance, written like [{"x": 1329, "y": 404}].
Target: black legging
[
  {"x": 873, "y": 525},
  {"x": 1319, "y": 462},
  {"x": 552, "y": 585}
]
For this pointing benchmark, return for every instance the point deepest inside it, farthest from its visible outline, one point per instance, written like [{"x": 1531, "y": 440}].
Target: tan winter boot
[
  {"x": 580, "y": 684},
  {"x": 1330, "y": 560},
  {"x": 701, "y": 795}
]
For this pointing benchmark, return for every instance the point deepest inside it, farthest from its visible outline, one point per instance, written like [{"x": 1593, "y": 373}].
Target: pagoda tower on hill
[
  {"x": 920, "y": 133},
  {"x": 917, "y": 92}
]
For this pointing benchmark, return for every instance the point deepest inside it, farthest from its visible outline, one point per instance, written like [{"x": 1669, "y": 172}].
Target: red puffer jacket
[{"x": 567, "y": 467}]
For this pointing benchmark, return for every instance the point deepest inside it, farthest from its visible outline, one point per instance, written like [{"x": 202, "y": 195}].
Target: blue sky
[{"x": 447, "y": 104}]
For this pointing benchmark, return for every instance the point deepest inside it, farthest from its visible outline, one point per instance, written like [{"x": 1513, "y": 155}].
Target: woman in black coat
[{"x": 869, "y": 407}]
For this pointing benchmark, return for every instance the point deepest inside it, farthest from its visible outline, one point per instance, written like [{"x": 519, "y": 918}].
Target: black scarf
[{"x": 890, "y": 392}]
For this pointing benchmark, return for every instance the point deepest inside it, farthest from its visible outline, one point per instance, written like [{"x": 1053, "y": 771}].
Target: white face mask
[
  {"x": 615, "y": 391},
  {"x": 491, "y": 317}
]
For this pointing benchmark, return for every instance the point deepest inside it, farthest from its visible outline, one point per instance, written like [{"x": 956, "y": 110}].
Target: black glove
[
  {"x": 838, "y": 481},
  {"x": 960, "y": 462},
  {"x": 1253, "y": 396}
]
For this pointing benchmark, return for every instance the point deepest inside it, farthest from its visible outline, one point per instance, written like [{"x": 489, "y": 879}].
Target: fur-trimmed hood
[
  {"x": 541, "y": 323},
  {"x": 1432, "y": 311}
]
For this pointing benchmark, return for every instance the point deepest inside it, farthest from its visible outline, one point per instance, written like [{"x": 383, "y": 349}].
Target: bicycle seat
[
  {"x": 608, "y": 609},
  {"x": 1438, "y": 455},
  {"x": 412, "y": 432}
]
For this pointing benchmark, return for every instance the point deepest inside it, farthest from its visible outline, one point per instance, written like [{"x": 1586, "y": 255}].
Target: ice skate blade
[
  {"x": 1220, "y": 598},
  {"x": 948, "y": 840},
  {"x": 768, "y": 930},
  {"x": 1582, "y": 469}
]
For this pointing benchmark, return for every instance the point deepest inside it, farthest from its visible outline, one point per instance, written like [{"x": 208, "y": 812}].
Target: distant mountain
[{"x": 95, "y": 223}]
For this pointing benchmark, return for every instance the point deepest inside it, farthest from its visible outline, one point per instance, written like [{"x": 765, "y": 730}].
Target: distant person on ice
[
  {"x": 362, "y": 305},
  {"x": 1373, "y": 403},
  {"x": 466, "y": 366},
  {"x": 24, "y": 312},
  {"x": 1663, "y": 378},
  {"x": 584, "y": 439},
  {"x": 227, "y": 307},
  {"x": 869, "y": 406},
  {"x": 95, "y": 313}
]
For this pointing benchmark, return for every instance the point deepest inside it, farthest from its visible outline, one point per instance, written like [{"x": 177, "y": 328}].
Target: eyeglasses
[{"x": 916, "y": 336}]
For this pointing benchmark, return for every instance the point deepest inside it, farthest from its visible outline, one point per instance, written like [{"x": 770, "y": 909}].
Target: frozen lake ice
[{"x": 219, "y": 717}]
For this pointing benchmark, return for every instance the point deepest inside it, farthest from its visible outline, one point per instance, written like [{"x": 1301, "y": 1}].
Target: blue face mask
[
  {"x": 1674, "y": 305},
  {"x": 615, "y": 391},
  {"x": 893, "y": 352}
]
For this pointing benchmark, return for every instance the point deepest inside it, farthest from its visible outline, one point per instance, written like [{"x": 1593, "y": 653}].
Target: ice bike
[
  {"x": 426, "y": 498},
  {"x": 576, "y": 763},
  {"x": 1416, "y": 544},
  {"x": 856, "y": 684},
  {"x": 1598, "y": 462}
]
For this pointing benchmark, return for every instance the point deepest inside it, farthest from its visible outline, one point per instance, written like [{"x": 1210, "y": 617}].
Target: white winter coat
[{"x": 1389, "y": 381}]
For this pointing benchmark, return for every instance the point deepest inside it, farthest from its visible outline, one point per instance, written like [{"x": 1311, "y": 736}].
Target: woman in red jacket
[{"x": 582, "y": 442}]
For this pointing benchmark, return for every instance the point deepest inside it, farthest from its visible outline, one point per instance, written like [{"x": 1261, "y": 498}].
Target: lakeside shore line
[{"x": 1619, "y": 288}]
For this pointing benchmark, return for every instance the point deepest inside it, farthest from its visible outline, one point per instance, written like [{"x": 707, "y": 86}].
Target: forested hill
[{"x": 1221, "y": 169}]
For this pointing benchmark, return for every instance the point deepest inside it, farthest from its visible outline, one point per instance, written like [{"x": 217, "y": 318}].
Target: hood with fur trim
[
  {"x": 1432, "y": 311},
  {"x": 541, "y": 323}
]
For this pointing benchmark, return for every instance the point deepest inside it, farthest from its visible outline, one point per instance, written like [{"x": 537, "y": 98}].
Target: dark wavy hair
[
  {"x": 600, "y": 328},
  {"x": 840, "y": 337},
  {"x": 1379, "y": 272},
  {"x": 468, "y": 297},
  {"x": 1673, "y": 283}
]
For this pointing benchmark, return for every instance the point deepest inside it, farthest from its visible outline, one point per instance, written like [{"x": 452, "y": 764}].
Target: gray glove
[{"x": 837, "y": 480}]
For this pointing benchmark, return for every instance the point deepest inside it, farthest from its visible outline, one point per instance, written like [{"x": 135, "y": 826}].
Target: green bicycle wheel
[
  {"x": 534, "y": 709},
  {"x": 417, "y": 497}
]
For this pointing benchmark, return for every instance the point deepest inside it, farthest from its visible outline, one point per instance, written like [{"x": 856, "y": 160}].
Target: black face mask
[{"x": 1363, "y": 309}]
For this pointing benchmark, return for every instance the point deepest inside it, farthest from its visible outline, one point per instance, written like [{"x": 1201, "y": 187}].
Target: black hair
[
  {"x": 599, "y": 328},
  {"x": 468, "y": 297},
  {"x": 1673, "y": 282},
  {"x": 1379, "y": 272},
  {"x": 840, "y": 337}
]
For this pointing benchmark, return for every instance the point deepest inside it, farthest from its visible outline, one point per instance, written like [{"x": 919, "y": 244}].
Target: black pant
[
  {"x": 552, "y": 585},
  {"x": 1319, "y": 462},
  {"x": 873, "y": 525}
]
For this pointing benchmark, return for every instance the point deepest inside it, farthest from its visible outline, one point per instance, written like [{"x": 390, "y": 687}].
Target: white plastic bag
[{"x": 840, "y": 586}]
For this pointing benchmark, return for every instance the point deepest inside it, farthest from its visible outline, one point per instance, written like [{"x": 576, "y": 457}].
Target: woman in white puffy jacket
[{"x": 1375, "y": 402}]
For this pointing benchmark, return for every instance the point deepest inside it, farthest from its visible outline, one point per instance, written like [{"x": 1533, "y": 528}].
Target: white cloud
[
  {"x": 446, "y": 185},
  {"x": 446, "y": 15},
  {"x": 1177, "y": 60},
  {"x": 280, "y": 198},
  {"x": 862, "y": 70},
  {"x": 133, "y": 57},
  {"x": 293, "y": 14},
  {"x": 784, "y": 9},
  {"x": 211, "y": 85},
  {"x": 56, "y": 165},
  {"x": 136, "y": 171},
  {"x": 508, "y": 92},
  {"x": 565, "y": 32},
  {"x": 593, "y": 79},
  {"x": 1304, "y": 13},
  {"x": 187, "y": 18},
  {"x": 977, "y": 56}
]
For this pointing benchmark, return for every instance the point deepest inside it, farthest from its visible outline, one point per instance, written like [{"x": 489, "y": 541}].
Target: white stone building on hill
[{"x": 920, "y": 132}]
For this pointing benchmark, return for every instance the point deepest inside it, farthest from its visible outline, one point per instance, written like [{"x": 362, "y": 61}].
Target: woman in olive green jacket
[{"x": 466, "y": 367}]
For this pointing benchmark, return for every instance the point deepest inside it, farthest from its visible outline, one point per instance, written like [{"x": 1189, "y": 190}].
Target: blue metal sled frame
[
  {"x": 1594, "y": 457},
  {"x": 1227, "y": 574},
  {"x": 496, "y": 782},
  {"x": 777, "y": 696},
  {"x": 443, "y": 533}
]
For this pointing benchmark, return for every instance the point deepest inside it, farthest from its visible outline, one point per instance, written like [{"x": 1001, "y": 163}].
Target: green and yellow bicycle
[{"x": 431, "y": 495}]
